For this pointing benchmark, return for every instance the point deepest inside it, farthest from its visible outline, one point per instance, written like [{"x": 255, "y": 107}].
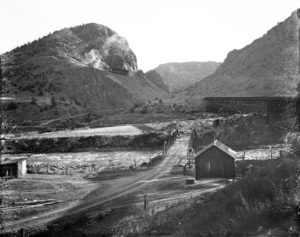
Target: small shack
[
  {"x": 216, "y": 160},
  {"x": 13, "y": 167}
]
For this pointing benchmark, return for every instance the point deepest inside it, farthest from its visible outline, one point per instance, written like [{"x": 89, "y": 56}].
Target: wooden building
[
  {"x": 13, "y": 167},
  {"x": 215, "y": 160}
]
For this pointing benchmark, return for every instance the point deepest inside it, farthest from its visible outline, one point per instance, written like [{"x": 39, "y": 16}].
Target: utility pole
[
  {"x": 243, "y": 171},
  {"x": 145, "y": 202},
  {"x": 2, "y": 214},
  {"x": 298, "y": 14}
]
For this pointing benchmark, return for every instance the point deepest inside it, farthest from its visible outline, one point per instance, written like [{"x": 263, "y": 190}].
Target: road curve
[{"x": 175, "y": 153}]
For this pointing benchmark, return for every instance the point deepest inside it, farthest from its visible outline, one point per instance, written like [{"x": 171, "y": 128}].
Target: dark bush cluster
[{"x": 10, "y": 106}]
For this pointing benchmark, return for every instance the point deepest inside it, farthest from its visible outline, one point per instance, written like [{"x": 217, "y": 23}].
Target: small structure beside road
[
  {"x": 216, "y": 160},
  {"x": 13, "y": 167}
]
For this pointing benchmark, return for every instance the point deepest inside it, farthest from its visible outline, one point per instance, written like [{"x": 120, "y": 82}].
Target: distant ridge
[
  {"x": 269, "y": 66},
  {"x": 179, "y": 76}
]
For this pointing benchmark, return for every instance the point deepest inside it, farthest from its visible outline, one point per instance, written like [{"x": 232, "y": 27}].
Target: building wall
[
  {"x": 13, "y": 169},
  {"x": 221, "y": 164},
  {"x": 9, "y": 170},
  {"x": 22, "y": 169}
]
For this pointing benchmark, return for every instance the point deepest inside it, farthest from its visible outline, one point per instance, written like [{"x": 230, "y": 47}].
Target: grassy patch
[{"x": 263, "y": 198}]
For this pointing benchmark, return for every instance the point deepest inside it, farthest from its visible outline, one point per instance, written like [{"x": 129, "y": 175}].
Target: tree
[
  {"x": 53, "y": 102},
  {"x": 40, "y": 92},
  {"x": 132, "y": 110},
  {"x": 33, "y": 101},
  {"x": 144, "y": 110}
]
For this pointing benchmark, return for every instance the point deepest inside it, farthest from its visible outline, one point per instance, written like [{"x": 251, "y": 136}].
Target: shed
[
  {"x": 216, "y": 160},
  {"x": 13, "y": 167}
]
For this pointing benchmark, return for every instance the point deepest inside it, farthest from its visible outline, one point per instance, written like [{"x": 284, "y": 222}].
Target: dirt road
[
  {"x": 117, "y": 190},
  {"x": 125, "y": 191}
]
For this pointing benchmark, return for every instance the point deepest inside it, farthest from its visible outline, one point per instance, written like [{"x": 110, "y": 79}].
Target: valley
[
  {"x": 109, "y": 185},
  {"x": 91, "y": 145}
]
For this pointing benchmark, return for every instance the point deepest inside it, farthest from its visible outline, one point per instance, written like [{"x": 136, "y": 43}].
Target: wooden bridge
[
  {"x": 274, "y": 106},
  {"x": 284, "y": 111}
]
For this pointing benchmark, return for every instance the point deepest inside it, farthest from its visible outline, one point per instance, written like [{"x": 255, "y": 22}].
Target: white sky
[{"x": 158, "y": 31}]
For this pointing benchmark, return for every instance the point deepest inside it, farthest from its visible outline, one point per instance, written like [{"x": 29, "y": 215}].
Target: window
[{"x": 207, "y": 167}]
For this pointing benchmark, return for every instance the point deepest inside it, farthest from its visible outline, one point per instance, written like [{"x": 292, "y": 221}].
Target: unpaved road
[
  {"x": 117, "y": 190},
  {"x": 123, "y": 130}
]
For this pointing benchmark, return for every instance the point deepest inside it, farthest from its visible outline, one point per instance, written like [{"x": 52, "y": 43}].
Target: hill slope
[
  {"x": 84, "y": 68},
  {"x": 179, "y": 76},
  {"x": 269, "y": 66},
  {"x": 154, "y": 77}
]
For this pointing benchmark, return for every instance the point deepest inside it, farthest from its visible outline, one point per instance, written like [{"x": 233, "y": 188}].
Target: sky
[{"x": 158, "y": 31}]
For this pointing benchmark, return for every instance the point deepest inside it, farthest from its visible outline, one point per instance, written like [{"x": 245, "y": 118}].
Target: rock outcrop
[{"x": 87, "y": 68}]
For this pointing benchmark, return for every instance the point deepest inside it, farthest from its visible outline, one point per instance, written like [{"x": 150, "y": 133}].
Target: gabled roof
[
  {"x": 5, "y": 161},
  {"x": 220, "y": 146}
]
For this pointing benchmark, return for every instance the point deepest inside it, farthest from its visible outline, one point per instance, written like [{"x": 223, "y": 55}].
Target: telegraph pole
[{"x": 298, "y": 14}]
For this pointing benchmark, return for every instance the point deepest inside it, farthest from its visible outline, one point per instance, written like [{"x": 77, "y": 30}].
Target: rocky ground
[{"x": 238, "y": 131}]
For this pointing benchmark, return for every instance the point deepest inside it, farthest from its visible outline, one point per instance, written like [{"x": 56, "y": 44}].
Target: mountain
[
  {"x": 83, "y": 68},
  {"x": 154, "y": 77},
  {"x": 269, "y": 66},
  {"x": 179, "y": 76}
]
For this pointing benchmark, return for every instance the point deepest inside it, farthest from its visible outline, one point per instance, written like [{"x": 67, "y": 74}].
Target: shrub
[
  {"x": 53, "y": 102},
  {"x": 132, "y": 109},
  {"x": 40, "y": 92},
  {"x": 144, "y": 110},
  {"x": 160, "y": 110},
  {"x": 11, "y": 106},
  {"x": 33, "y": 101}
]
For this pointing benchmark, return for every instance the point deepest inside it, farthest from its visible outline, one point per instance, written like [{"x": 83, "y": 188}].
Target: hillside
[
  {"x": 269, "y": 66},
  {"x": 85, "y": 68},
  {"x": 154, "y": 77},
  {"x": 179, "y": 76}
]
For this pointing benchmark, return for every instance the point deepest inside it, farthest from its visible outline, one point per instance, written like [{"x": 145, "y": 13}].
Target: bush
[
  {"x": 263, "y": 198},
  {"x": 53, "y": 102},
  {"x": 33, "y": 101},
  {"x": 144, "y": 110},
  {"x": 11, "y": 106},
  {"x": 132, "y": 109}
]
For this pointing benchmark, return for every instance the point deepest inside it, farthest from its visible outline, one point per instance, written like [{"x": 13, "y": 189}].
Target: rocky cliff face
[
  {"x": 179, "y": 76},
  {"x": 84, "y": 68},
  {"x": 269, "y": 66},
  {"x": 86, "y": 45}
]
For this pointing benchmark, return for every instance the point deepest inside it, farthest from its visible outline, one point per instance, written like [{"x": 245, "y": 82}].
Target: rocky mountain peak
[{"x": 87, "y": 45}]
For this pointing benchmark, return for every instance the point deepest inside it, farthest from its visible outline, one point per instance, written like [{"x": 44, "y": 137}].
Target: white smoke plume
[
  {"x": 115, "y": 41},
  {"x": 94, "y": 59}
]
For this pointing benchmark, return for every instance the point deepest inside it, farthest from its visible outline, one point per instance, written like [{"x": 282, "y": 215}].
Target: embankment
[
  {"x": 70, "y": 144},
  {"x": 239, "y": 132}
]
